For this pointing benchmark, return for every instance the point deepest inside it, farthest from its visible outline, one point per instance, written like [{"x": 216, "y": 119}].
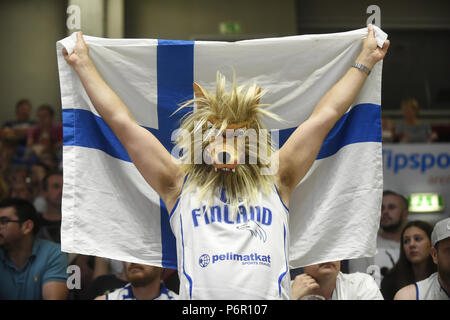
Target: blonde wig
[{"x": 239, "y": 108}]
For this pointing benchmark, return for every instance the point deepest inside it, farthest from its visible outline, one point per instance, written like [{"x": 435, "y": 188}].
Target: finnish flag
[{"x": 110, "y": 211}]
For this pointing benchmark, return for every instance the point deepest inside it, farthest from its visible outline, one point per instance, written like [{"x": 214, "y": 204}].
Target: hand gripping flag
[{"x": 110, "y": 211}]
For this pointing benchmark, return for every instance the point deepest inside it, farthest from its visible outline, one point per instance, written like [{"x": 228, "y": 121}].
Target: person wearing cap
[{"x": 436, "y": 286}]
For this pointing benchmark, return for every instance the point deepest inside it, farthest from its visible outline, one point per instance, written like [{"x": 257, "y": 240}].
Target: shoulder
[
  {"x": 43, "y": 245},
  {"x": 8, "y": 124},
  {"x": 172, "y": 295},
  {"x": 361, "y": 286},
  {"x": 49, "y": 253},
  {"x": 406, "y": 293},
  {"x": 387, "y": 243},
  {"x": 166, "y": 294},
  {"x": 48, "y": 247},
  {"x": 357, "y": 279},
  {"x": 115, "y": 294}
]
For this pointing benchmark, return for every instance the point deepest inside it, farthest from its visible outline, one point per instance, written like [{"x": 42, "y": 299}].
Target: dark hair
[
  {"x": 21, "y": 102},
  {"x": 402, "y": 273},
  {"x": 24, "y": 210},
  {"x": 392, "y": 193},
  {"x": 41, "y": 164},
  {"x": 47, "y": 176},
  {"x": 48, "y": 108}
]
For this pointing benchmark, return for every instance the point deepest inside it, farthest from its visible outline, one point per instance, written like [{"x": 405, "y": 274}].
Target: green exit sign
[
  {"x": 425, "y": 202},
  {"x": 230, "y": 27}
]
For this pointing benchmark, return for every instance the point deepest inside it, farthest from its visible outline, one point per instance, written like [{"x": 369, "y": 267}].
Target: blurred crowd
[
  {"x": 408, "y": 264},
  {"x": 411, "y": 129},
  {"x": 29, "y": 150}
]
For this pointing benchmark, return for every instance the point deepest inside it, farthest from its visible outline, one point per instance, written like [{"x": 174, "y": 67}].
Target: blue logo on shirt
[
  {"x": 204, "y": 260},
  {"x": 255, "y": 230},
  {"x": 245, "y": 259}
]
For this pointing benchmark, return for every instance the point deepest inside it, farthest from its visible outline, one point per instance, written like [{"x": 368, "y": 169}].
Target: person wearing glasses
[{"x": 30, "y": 268}]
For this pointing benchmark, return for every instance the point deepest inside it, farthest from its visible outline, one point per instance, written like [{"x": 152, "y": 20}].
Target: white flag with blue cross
[{"x": 110, "y": 211}]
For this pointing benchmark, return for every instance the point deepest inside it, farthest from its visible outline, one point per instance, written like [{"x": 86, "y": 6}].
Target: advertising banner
[{"x": 419, "y": 168}]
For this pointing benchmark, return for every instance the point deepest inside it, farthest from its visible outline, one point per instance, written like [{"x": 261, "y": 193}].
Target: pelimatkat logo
[
  {"x": 204, "y": 260},
  {"x": 245, "y": 259}
]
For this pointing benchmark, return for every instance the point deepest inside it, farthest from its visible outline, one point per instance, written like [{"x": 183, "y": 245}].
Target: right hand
[
  {"x": 80, "y": 53},
  {"x": 371, "y": 53},
  {"x": 303, "y": 285}
]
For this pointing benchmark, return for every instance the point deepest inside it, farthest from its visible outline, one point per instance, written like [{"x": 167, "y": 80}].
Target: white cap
[{"x": 441, "y": 231}]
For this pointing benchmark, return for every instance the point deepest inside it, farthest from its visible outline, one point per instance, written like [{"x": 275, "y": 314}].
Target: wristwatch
[{"x": 362, "y": 67}]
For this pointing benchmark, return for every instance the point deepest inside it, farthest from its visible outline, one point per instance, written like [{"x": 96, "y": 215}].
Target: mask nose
[{"x": 224, "y": 157}]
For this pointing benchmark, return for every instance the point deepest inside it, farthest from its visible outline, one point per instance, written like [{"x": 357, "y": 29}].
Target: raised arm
[
  {"x": 301, "y": 149},
  {"x": 150, "y": 157}
]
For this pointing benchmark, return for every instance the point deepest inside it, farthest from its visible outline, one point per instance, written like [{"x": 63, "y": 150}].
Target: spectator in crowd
[
  {"x": 46, "y": 135},
  {"x": 30, "y": 268},
  {"x": 50, "y": 222},
  {"x": 38, "y": 171},
  {"x": 4, "y": 190},
  {"x": 21, "y": 190},
  {"x": 49, "y": 158},
  {"x": 50, "y": 228},
  {"x": 415, "y": 262},
  {"x": 412, "y": 129},
  {"x": 325, "y": 280},
  {"x": 145, "y": 284},
  {"x": 436, "y": 286},
  {"x": 8, "y": 157},
  {"x": 387, "y": 130},
  {"x": 394, "y": 214},
  {"x": 17, "y": 129},
  {"x": 16, "y": 173},
  {"x": 18, "y": 186},
  {"x": 107, "y": 277}
]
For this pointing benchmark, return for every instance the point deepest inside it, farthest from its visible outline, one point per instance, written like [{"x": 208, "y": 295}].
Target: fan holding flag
[{"x": 228, "y": 193}]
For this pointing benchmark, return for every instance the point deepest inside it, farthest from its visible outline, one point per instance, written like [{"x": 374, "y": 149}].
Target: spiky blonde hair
[{"x": 240, "y": 105}]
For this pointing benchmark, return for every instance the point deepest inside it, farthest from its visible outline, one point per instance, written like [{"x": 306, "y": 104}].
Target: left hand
[
  {"x": 371, "y": 53},
  {"x": 303, "y": 285}
]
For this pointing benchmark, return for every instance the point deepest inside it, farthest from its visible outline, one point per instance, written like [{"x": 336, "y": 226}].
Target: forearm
[
  {"x": 339, "y": 98},
  {"x": 105, "y": 100}
]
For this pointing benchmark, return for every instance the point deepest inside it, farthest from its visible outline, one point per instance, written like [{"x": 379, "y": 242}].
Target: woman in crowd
[
  {"x": 415, "y": 262},
  {"x": 412, "y": 129}
]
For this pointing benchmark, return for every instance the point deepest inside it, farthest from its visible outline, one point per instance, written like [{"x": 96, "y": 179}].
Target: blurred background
[{"x": 416, "y": 67}]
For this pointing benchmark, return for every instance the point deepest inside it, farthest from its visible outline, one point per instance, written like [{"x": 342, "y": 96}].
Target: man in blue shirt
[{"x": 30, "y": 268}]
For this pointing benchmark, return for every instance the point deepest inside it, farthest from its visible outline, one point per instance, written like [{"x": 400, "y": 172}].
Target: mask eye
[{"x": 209, "y": 125}]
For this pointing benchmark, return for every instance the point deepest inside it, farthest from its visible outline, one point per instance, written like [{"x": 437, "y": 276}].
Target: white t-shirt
[
  {"x": 388, "y": 253},
  {"x": 431, "y": 289},
  {"x": 126, "y": 293},
  {"x": 220, "y": 257},
  {"x": 356, "y": 286}
]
